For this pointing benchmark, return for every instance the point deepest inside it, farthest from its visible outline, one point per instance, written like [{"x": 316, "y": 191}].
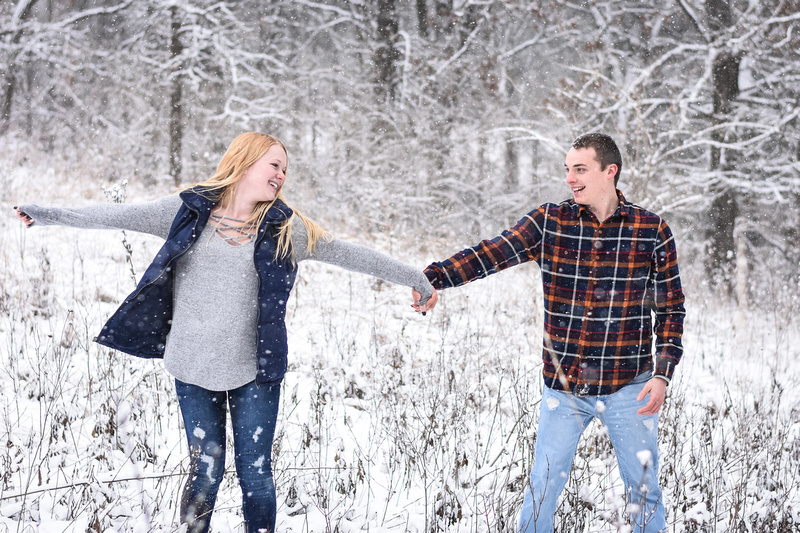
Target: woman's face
[{"x": 263, "y": 180}]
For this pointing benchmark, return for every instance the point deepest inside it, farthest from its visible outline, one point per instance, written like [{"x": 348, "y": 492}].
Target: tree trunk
[
  {"x": 470, "y": 22},
  {"x": 512, "y": 168},
  {"x": 721, "y": 257},
  {"x": 718, "y": 13},
  {"x": 386, "y": 54},
  {"x": 722, "y": 246},
  {"x": 10, "y": 83},
  {"x": 176, "y": 101},
  {"x": 5, "y": 110},
  {"x": 726, "y": 88},
  {"x": 444, "y": 16},
  {"x": 422, "y": 17}
]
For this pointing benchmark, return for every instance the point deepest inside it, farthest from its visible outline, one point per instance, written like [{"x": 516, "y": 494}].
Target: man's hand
[
  {"x": 430, "y": 304},
  {"x": 657, "y": 389}
]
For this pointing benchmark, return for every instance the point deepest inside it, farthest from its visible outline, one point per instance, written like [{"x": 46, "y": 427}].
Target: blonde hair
[{"x": 246, "y": 149}]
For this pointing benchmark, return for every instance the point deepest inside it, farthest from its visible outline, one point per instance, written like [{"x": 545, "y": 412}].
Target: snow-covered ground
[{"x": 390, "y": 421}]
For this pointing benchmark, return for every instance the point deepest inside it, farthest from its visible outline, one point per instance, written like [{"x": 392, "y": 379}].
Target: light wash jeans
[
  {"x": 254, "y": 411},
  {"x": 563, "y": 417}
]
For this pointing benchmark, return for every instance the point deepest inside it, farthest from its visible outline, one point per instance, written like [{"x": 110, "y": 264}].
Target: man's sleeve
[
  {"x": 518, "y": 244},
  {"x": 668, "y": 304}
]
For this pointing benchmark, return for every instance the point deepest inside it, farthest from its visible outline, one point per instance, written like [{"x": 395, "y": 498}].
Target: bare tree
[
  {"x": 176, "y": 98},
  {"x": 724, "y": 210},
  {"x": 702, "y": 95},
  {"x": 13, "y": 35},
  {"x": 422, "y": 18},
  {"x": 386, "y": 53}
]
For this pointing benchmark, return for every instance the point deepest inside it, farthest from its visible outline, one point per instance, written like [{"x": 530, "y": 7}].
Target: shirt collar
[{"x": 624, "y": 208}]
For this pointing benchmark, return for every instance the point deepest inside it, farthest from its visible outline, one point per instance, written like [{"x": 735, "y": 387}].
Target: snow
[
  {"x": 389, "y": 421},
  {"x": 645, "y": 457}
]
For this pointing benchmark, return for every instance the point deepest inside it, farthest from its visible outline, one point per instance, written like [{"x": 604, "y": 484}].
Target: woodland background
[{"x": 459, "y": 109}]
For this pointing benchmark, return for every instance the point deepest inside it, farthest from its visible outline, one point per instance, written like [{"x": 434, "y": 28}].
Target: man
[{"x": 610, "y": 279}]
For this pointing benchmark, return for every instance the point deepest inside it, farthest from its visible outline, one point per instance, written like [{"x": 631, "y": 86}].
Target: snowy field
[{"x": 390, "y": 421}]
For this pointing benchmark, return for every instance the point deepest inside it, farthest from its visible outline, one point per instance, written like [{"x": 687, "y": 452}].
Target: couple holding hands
[{"x": 214, "y": 297}]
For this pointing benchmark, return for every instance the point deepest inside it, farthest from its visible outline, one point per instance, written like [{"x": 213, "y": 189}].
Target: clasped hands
[{"x": 427, "y": 306}]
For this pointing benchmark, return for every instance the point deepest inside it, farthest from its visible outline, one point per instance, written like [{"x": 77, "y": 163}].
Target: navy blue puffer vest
[{"x": 141, "y": 324}]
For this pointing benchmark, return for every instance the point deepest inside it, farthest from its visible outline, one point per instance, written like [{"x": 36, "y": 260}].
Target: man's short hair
[{"x": 605, "y": 148}]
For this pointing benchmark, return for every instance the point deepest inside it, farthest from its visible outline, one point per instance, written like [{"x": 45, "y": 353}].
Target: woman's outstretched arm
[
  {"x": 361, "y": 259},
  {"x": 153, "y": 217}
]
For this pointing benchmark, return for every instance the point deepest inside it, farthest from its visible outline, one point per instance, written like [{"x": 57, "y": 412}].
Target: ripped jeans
[
  {"x": 254, "y": 411},
  {"x": 563, "y": 417}
]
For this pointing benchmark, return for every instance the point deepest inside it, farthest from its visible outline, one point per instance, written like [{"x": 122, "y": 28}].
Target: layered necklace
[{"x": 233, "y": 230}]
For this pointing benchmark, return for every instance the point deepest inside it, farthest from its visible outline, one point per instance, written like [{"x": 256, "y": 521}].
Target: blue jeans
[
  {"x": 563, "y": 417},
  {"x": 254, "y": 411}
]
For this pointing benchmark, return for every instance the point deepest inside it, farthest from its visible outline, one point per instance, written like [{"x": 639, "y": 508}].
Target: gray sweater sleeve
[
  {"x": 359, "y": 259},
  {"x": 153, "y": 217}
]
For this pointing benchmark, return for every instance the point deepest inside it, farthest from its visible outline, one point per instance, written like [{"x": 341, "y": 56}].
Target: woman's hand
[{"x": 24, "y": 217}]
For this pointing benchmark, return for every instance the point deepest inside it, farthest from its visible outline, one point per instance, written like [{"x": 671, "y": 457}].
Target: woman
[{"x": 215, "y": 298}]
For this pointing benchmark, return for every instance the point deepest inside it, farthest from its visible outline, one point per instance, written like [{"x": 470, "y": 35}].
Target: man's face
[{"x": 590, "y": 185}]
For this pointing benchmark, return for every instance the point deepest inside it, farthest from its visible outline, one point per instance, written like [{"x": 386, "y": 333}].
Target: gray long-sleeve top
[{"x": 216, "y": 285}]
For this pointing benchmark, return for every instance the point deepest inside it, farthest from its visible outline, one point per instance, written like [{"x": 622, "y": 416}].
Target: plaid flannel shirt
[{"x": 601, "y": 282}]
